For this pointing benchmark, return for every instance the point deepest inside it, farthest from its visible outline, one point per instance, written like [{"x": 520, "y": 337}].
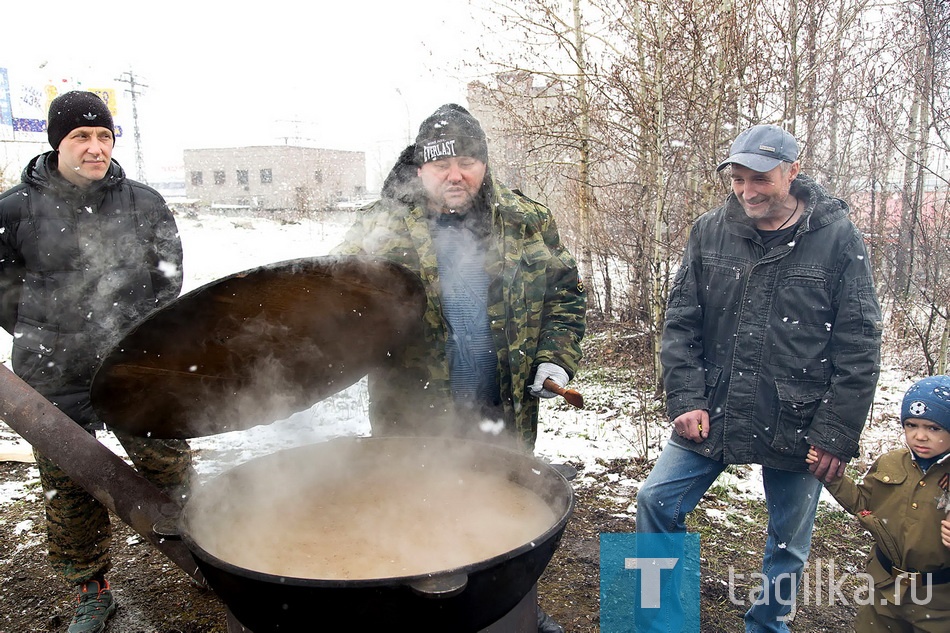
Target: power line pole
[{"x": 129, "y": 78}]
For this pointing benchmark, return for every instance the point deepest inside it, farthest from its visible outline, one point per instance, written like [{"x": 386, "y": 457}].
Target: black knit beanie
[
  {"x": 450, "y": 131},
  {"x": 74, "y": 109}
]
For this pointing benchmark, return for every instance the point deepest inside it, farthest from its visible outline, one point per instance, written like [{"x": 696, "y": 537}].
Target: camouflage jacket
[{"x": 537, "y": 307}]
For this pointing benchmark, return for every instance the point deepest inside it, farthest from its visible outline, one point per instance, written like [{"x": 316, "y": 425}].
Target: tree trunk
[
  {"x": 904, "y": 261},
  {"x": 583, "y": 165},
  {"x": 658, "y": 303}
]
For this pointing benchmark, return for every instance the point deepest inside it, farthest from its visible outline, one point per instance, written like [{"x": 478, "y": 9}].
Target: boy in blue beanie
[{"x": 903, "y": 502}]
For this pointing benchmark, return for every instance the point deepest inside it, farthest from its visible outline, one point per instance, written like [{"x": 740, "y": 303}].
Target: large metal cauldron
[
  {"x": 299, "y": 331},
  {"x": 465, "y": 598}
]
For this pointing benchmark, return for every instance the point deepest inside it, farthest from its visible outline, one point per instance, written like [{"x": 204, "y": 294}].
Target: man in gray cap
[
  {"x": 771, "y": 344},
  {"x": 84, "y": 253}
]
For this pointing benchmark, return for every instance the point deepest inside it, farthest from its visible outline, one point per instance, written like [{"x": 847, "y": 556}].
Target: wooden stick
[{"x": 573, "y": 397}]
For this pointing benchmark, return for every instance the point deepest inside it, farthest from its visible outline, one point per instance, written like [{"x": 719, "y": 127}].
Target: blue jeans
[{"x": 679, "y": 480}]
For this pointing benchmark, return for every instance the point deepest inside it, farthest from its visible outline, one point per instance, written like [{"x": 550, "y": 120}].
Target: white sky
[{"x": 354, "y": 74}]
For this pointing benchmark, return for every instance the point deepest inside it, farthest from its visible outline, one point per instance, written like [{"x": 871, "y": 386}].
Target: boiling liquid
[{"x": 378, "y": 525}]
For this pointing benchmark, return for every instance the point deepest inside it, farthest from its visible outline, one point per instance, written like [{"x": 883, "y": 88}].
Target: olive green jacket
[
  {"x": 898, "y": 504},
  {"x": 536, "y": 304}
]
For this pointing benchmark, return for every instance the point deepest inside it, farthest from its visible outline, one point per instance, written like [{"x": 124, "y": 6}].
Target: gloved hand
[{"x": 548, "y": 370}]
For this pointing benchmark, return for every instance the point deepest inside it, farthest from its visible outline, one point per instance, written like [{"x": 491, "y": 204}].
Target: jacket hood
[{"x": 43, "y": 172}]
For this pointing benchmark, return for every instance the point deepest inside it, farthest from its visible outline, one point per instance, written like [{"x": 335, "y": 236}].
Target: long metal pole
[
  {"x": 139, "y": 157},
  {"x": 88, "y": 462}
]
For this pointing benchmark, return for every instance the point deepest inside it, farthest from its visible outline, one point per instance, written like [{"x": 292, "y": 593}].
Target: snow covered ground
[{"x": 216, "y": 246}]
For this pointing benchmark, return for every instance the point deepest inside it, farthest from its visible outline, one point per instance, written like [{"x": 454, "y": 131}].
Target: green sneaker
[{"x": 94, "y": 606}]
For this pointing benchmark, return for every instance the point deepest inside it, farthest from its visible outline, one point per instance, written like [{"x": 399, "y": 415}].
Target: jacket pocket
[
  {"x": 797, "y": 404},
  {"x": 32, "y": 356},
  {"x": 711, "y": 373},
  {"x": 891, "y": 477},
  {"x": 534, "y": 266}
]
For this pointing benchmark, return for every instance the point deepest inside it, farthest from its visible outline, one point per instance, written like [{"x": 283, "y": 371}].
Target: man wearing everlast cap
[
  {"x": 771, "y": 343},
  {"x": 506, "y": 307}
]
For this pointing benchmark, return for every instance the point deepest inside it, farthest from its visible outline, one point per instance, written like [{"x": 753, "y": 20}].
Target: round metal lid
[{"x": 257, "y": 346}]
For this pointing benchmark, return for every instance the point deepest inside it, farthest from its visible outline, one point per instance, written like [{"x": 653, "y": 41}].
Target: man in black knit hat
[
  {"x": 84, "y": 253},
  {"x": 506, "y": 306}
]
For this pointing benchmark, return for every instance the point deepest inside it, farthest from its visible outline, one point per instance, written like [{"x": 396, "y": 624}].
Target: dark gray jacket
[
  {"x": 782, "y": 348},
  {"x": 77, "y": 268}
]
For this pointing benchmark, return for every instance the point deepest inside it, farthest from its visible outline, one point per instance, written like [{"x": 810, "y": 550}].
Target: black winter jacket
[
  {"x": 781, "y": 348},
  {"x": 77, "y": 268}
]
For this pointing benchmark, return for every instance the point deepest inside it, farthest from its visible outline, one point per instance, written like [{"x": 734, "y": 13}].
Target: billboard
[
  {"x": 25, "y": 99},
  {"x": 6, "y": 110}
]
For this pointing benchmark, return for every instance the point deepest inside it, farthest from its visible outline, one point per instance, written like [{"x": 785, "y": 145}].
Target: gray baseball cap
[{"x": 761, "y": 148}]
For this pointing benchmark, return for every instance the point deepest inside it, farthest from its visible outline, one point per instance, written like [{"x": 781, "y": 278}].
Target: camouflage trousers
[{"x": 78, "y": 528}]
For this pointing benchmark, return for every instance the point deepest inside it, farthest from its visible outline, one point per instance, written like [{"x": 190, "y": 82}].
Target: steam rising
[
  {"x": 272, "y": 385},
  {"x": 103, "y": 286},
  {"x": 374, "y": 508}
]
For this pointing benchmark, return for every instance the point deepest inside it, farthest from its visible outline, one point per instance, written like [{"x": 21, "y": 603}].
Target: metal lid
[{"x": 257, "y": 346}]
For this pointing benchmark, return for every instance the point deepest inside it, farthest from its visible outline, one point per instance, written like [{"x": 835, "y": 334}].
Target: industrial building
[{"x": 278, "y": 178}]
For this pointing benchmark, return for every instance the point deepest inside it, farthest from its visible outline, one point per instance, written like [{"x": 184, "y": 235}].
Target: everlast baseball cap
[{"x": 761, "y": 148}]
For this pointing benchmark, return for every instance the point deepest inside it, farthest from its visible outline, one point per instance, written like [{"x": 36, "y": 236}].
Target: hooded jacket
[
  {"x": 536, "y": 306},
  {"x": 782, "y": 348},
  {"x": 78, "y": 267}
]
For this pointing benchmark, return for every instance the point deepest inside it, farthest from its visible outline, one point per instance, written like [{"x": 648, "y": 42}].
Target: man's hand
[
  {"x": 945, "y": 532},
  {"x": 693, "y": 425},
  {"x": 548, "y": 370},
  {"x": 825, "y": 466}
]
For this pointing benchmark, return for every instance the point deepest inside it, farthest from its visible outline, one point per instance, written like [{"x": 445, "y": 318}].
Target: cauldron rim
[
  {"x": 553, "y": 532},
  {"x": 385, "y": 581}
]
